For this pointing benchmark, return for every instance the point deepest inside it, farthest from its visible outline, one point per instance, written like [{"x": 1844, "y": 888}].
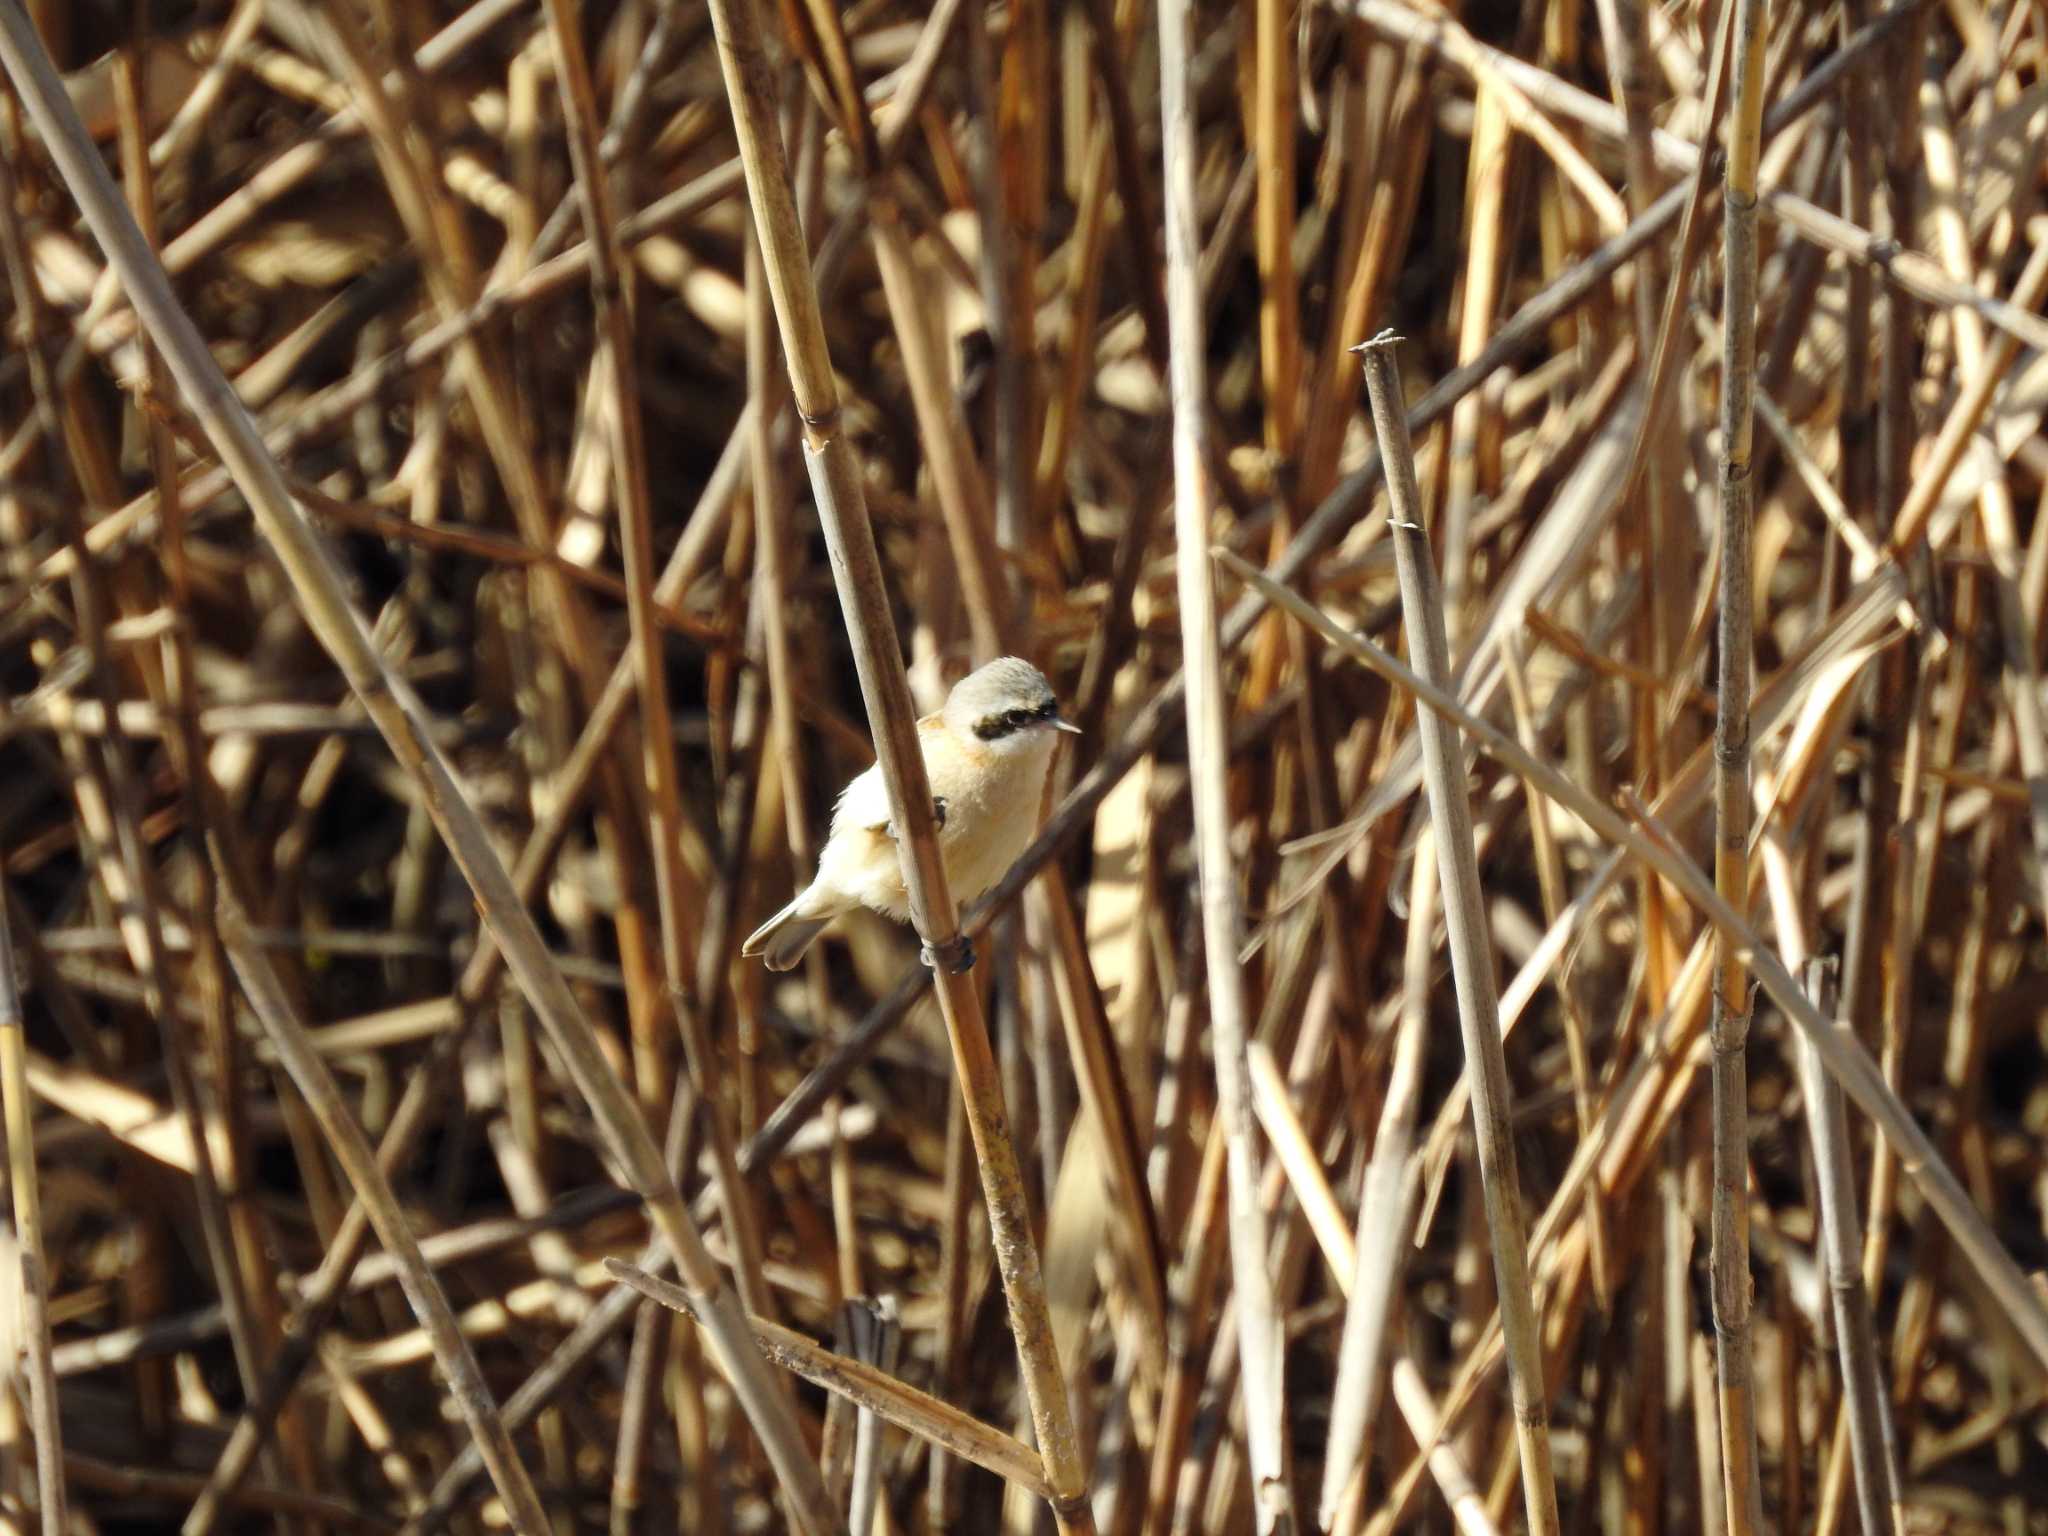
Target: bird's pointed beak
[{"x": 1065, "y": 725}]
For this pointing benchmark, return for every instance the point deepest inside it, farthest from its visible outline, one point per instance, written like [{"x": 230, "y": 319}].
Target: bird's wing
[{"x": 864, "y": 803}]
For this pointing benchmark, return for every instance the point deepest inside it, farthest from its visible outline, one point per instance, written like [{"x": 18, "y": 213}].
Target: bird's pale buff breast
[{"x": 992, "y": 797}]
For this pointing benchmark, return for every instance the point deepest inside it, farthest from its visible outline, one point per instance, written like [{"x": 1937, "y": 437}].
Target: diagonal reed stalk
[
  {"x": 1450, "y": 812},
  {"x": 403, "y": 721},
  {"x": 872, "y": 1389},
  {"x": 1261, "y": 1341},
  {"x": 871, "y": 631},
  {"x": 279, "y": 1018},
  {"x": 1842, "y": 1053},
  {"x": 1732, "y": 812}
]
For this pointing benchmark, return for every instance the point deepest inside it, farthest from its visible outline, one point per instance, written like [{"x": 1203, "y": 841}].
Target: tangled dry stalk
[{"x": 475, "y": 479}]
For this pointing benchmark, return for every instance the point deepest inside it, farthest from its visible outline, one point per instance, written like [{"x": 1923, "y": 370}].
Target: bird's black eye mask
[{"x": 1010, "y": 721}]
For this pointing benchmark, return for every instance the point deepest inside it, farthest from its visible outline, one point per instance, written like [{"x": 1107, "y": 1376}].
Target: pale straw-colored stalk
[
  {"x": 1450, "y": 811},
  {"x": 28, "y": 1232},
  {"x": 1261, "y": 1341}
]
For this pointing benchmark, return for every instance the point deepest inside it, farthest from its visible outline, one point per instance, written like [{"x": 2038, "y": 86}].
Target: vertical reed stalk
[
  {"x": 1386, "y": 1216},
  {"x": 871, "y": 630},
  {"x": 1863, "y": 1399},
  {"x": 1261, "y": 1342},
  {"x": 608, "y": 276},
  {"x": 1486, "y": 1069},
  {"x": 1732, "y": 996},
  {"x": 28, "y": 1227}
]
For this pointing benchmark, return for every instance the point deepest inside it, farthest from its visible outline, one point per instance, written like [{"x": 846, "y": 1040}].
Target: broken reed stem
[
  {"x": 1450, "y": 812},
  {"x": 877, "y": 1337},
  {"x": 1844, "y": 1055},
  {"x": 301, "y": 1058},
  {"x": 1261, "y": 1341},
  {"x": 871, "y": 633},
  {"x": 404, "y": 723},
  {"x": 1732, "y": 811},
  {"x": 869, "y": 1388},
  {"x": 1827, "y": 1126},
  {"x": 28, "y": 1227}
]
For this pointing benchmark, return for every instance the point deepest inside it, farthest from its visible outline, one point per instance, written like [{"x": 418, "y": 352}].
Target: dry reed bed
[{"x": 601, "y": 342}]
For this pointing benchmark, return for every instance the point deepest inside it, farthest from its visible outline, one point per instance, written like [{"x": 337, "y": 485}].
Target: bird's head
[{"x": 1006, "y": 702}]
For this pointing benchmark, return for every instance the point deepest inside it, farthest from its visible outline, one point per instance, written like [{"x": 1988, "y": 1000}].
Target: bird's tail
[{"x": 782, "y": 940}]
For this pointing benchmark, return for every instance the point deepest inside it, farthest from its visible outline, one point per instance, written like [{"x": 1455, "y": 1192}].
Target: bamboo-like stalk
[
  {"x": 1486, "y": 1070},
  {"x": 856, "y": 569},
  {"x": 28, "y": 1226},
  {"x": 1729, "y": 1259},
  {"x": 1261, "y": 1343},
  {"x": 1843, "y": 1054},
  {"x": 403, "y": 721},
  {"x": 457, "y": 1362},
  {"x": 629, "y": 458}
]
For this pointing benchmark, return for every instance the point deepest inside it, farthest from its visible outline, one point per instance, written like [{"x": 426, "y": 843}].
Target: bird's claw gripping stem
[{"x": 956, "y": 955}]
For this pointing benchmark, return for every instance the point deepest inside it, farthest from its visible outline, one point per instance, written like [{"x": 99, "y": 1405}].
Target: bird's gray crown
[{"x": 997, "y": 700}]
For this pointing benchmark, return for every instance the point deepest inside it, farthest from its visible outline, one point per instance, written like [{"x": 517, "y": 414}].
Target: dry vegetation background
[{"x": 1267, "y": 1267}]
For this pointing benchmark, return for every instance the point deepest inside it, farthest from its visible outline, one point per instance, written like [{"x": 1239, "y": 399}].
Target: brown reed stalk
[
  {"x": 856, "y": 568},
  {"x": 1471, "y": 951},
  {"x": 1735, "y": 644},
  {"x": 957, "y": 480},
  {"x": 873, "y": 1389},
  {"x": 629, "y": 458},
  {"x": 403, "y": 722},
  {"x": 229, "y": 1119}
]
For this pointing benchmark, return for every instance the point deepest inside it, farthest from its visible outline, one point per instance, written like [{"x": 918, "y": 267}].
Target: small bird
[{"x": 986, "y": 753}]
